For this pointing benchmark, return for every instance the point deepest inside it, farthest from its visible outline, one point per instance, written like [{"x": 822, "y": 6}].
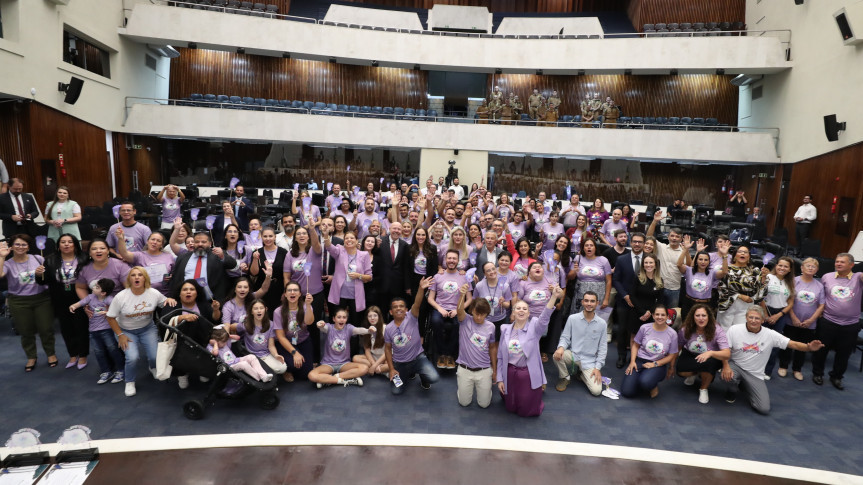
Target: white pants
[
  {"x": 735, "y": 315},
  {"x": 595, "y": 387},
  {"x": 274, "y": 363},
  {"x": 469, "y": 380}
]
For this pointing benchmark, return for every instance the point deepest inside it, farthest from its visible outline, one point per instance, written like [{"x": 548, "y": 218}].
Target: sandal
[
  {"x": 53, "y": 364},
  {"x": 29, "y": 368},
  {"x": 288, "y": 377}
]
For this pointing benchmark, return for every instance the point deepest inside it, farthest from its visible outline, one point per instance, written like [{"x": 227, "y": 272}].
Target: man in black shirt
[{"x": 737, "y": 204}]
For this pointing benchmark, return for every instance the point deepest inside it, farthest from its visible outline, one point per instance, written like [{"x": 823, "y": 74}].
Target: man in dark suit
[
  {"x": 225, "y": 218},
  {"x": 243, "y": 207},
  {"x": 625, "y": 272},
  {"x": 488, "y": 253},
  {"x": 394, "y": 270},
  {"x": 206, "y": 264},
  {"x": 18, "y": 210}
]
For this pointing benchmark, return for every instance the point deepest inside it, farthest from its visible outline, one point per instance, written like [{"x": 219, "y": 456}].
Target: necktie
[
  {"x": 393, "y": 250},
  {"x": 637, "y": 263},
  {"x": 198, "y": 267},
  {"x": 20, "y": 207}
]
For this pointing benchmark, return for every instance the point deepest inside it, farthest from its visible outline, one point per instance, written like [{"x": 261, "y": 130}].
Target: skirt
[{"x": 520, "y": 398}]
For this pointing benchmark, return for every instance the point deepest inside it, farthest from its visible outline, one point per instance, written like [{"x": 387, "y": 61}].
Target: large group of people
[{"x": 423, "y": 281}]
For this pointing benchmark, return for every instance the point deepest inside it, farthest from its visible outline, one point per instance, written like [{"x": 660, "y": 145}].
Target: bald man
[{"x": 394, "y": 263}]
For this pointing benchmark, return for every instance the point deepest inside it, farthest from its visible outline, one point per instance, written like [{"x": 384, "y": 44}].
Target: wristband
[
  {"x": 294, "y": 352},
  {"x": 120, "y": 334}
]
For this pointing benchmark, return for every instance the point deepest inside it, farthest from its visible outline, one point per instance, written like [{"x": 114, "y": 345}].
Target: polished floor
[{"x": 810, "y": 426}]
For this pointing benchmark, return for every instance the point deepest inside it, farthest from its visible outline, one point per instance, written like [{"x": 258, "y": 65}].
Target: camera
[{"x": 452, "y": 162}]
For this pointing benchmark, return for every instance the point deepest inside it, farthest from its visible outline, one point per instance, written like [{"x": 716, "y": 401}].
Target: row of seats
[
  {"x": 672, "y": 123},
  {"x": 697, "y": 29},
  {"x": 231, "y": 6},
  {"x": 459, "y": 34},
  {"x": 297, "y": 106}
]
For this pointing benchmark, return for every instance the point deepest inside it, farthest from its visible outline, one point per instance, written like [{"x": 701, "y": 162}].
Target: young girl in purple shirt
[
  {"x": 220, "y": 346},
  {"x": 336, "y": 366},
  {"x": 259, "y": 336},
  {"x": 477, "y": 360}
]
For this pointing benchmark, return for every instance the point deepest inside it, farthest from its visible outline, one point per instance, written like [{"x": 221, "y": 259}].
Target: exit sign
[{"x": 137, "y": 147}]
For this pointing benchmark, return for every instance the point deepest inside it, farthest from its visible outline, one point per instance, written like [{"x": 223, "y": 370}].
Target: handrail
[
  {"x": 451, "y": 119},
  {"x": 330, "y": 23}
]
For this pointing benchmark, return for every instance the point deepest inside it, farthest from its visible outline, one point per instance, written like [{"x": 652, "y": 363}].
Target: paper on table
[
  {"x": 21, "y": 475},
  {"x": 74, "y": 473}
]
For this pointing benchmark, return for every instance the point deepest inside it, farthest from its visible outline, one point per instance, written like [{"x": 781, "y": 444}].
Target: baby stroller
[{"x": 192, "y": 357}]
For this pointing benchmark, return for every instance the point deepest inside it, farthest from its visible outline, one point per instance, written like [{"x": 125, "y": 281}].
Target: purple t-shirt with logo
[
  {"x": 295, "y": 266},
  {"x": 116, "y": 270},
  {"x": 609, "y": 226},
  {"x": 170, "y": 209},
  {"x": 337, "y": 349},
  {"x": 495, "y": 297},
  {"x": 136, "y": 236},
  {"x": 842, "y": 305},
  {"x": 551, "y": 234},
  {"x": 258, "y": 342},
  {"x": 654, "y": 344},
  {"x": 517, "y": 230},
  {"x": 808, "y": 297},
  {"x": 473, "y": 343},
  {"x": 99, "y": 320},
  {"x": 291, "y": 327},
  {"x": 445, "y": 286},
  {"x": 231, "y": 313},
  {"x": 536, "y": 294},
  {"x": 157, "y": 267},
  {"x": 22, "y": 276},
  {"x": 697, "y": 345},
  {"x": 405, "y": 339},
  {"x": 699, "y": 285},
  {"x": 593, "y": 269}
]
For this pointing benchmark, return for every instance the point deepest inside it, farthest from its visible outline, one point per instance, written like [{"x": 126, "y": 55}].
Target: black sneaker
[
  {"x": 837, "y": 383},
  {"x": 730, "y": 397},
  {"x": 819, "y": 380},
  {"x": 425, "y": 385}
]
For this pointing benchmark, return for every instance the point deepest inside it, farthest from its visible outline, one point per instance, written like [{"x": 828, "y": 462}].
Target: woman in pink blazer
[{"x": 353, "y": 268}]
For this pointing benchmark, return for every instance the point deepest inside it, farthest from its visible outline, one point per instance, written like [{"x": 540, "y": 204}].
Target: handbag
[{"x": 165, "y": 352}]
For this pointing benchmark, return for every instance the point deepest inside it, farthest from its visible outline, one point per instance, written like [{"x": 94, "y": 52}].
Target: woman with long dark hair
[
  {"x": 291, "y": 321},
  {"x": 703, "y": 347},
  {"x": 272, "y": 256},
  {"x": 62, "y": 215},
  {"x": 61, "y": 271},
  {"x": 423, "y": 262}
]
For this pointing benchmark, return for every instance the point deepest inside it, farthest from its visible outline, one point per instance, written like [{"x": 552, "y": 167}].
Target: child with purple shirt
[
  {"x": 108, "y": 355},
  {"x": 336, "y": 366},
  {"x": 654, "y": 348},
  {"x": 259, "y": 337},
  {"x": 477, "y": 360},
  {"x": 403, "y": 348},
  {"x": 220, "y": 346}
]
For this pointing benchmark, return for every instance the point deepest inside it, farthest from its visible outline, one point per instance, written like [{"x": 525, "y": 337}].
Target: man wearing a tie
[
  {"x": 394, "y": 260},
  {"x": 18, "y": 210},
  {"x": 625, "y": 271},
  {"x": 205, "y": 265}
]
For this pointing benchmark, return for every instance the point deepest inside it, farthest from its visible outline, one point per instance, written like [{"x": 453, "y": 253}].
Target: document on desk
[
  {"x": 21, "y": 475},
  {"x": 73, "y": 473}
]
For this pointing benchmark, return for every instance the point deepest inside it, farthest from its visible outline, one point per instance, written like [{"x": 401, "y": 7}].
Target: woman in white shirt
[{"x": 778, "y": 302}]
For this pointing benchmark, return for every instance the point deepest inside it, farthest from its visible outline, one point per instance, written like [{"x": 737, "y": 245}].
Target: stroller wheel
[
  {"x": 269, "y": 401},
  {"x": 221, "y": 368},
  {"x": 193, "y": 410}
]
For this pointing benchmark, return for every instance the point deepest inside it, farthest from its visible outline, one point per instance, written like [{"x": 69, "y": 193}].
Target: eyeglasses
[{"x": 292, "y": 290}]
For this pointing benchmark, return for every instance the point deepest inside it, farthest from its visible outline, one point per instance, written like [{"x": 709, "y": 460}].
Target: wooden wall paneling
[
  {"x": 148, "y": 161},
  {"x": 84, "y": 152},
  {"x": 835, "y": 174},
  {"x": 15, "y": 143},
  {"x": 215, "y": 72},
  {"x": 665, "y": 11},
  {"x": 694, "y": 95}
]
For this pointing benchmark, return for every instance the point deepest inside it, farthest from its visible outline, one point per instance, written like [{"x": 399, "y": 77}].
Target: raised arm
[
  {"x": 657, "y": 216},
  {"x": 418, "y": 300}
]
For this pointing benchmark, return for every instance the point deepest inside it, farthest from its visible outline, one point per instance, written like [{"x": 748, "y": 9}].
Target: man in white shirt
[
  {"x": 285, "y": 238},
  {"x": 429, "y": 188},
  {"x": 750, "y": 349},
  {"x": 668, "y": 255},
  {"x": 805, "y": 216},
  {"x": 458, "y": 189}
]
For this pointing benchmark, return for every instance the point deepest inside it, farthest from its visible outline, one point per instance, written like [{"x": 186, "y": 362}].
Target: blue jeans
[
  {"x": 779, "y": 326},
  {"x": 108, "y": 354},
  {"x": 143, "y": 337},
  {"x": 643, "y": 379},
  {"x": 420, "y": 365},
  {"x": 672, "y": 298}
]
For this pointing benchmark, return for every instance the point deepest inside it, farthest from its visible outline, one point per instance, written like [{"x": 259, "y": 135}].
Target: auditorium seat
[
  {"x": 566, "y": 120},
  {"x": 297, "y": 106},
  {"x": 258, "y": 10},
  {"x": 320, "y": 105},
  {"x": 354, "y": 108},
  {"x": 342, "y": 107},
  {"x": 210, "y": 99},
  {"x": 662, "y": 32},
  {"x": 674, "y": 120},
  {"x": 698, "y": 25},
  {"x": 284, "y": 105},
  {"x": 649, "y": 120},
  {"x": 308, "y": 105},
  {"x": 673, "y": 25},
  {"x": 660, "y": 122},
  {"x": 688, "y": 32},
  {"x": 217, "y": 5},
  {"x": 649, "y": 27},
  {"x": 223, "y": 99},
  {"x": 685, "y": 25},
  {"x": 624, "y": 121},
  {"x": 272, "y": 10},
  {"x": 196, "y": 99},
  {"x": 686, "y": 121},
  {"x": 377, "y": 110},
  {"x": 236, "y": 102},
  {"x": 712, "y": 124},
  {"x": 365, "y": 112},
  {"x": 576, "y": 121},
  {"x": 711, "y": 25},
  {"x": 233, "y": 6},
  {"x": 698, "y": 122},
  {"x": 421, "y": 113},
  {"x": 245, "y": 8},
  {"x": 388, "y": 110},
  {"x": 410, "y": 113},
  {"x": 661, "y": 26},
  {"x": 390, "y": 29},
  {"x": 638, "y": 121}
]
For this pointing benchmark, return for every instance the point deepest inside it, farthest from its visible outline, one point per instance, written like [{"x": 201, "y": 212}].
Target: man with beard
[{"x": 205, "y": 264}]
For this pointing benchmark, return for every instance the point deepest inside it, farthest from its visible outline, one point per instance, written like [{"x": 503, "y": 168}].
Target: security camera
[{"x": 452, "y": 162}]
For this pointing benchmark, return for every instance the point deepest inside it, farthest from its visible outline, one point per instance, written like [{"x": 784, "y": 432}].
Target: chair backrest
[
  {"x": 399, "y": 111},
  {"x": 649, "y": 27},
  {"x": 686, "y": 120},
  {"x": 320, "y": 105},
  {"x": 261, "y": 101},
  {"x": 388, "y": 110},
  {"x": 196, "y": 97},
  {"x": 236, "y": 99},
  {"x": 661, "y": 26},
  {"x": 308, "y": 104},
  {"x": 297, "y": 104},
  {"x": 248, "y": 100},
  {"x": 222, "y": 98}
]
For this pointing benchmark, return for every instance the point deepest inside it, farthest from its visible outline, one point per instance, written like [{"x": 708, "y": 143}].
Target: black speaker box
[
  {"x": 833, "y": 127},
  {"x": 74, "y": 90}
]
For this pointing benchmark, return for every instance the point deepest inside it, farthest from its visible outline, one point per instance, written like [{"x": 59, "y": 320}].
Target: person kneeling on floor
[{"x": 582, "y": 347}]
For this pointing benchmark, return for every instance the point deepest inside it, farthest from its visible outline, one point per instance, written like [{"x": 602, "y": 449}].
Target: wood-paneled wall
[
  {"x": 148, "y": 161},
  {"x": 30, "y": 132},
  {"x": 642, "y": 12},
  {"x": 696, "y": 95},
  {"x": 531, "y": 6},
  {"x": 835, "y": 174},
  {"x": 214, "y": 72}
]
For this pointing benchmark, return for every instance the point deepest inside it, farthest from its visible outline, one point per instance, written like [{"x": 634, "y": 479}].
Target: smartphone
[{"x": 397, "y": 380}]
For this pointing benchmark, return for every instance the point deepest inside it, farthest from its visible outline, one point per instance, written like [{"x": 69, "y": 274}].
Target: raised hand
[
  {"x": 700, "y": 245},
  {"x": 687, "y": 241},
  {"x": 657, "y": 216}
]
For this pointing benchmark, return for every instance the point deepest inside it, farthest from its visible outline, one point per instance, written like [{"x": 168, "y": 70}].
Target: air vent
[{"x": 150, "y": 61}]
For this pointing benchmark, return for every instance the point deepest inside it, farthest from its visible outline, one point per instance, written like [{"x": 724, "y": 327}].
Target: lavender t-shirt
[
  {"x": 446, "y": 287},
  {"x": 593, "y": 269},
  {"x": 551, "y": 234},
  {"x": 116, "y": 270},
  {"x": 536, "y": 294},
  {"x": 699, "y": 285},
  {"x": 517, "y": 230},
  {"x": 609, "y": 226},
  {"x": 292, "y": 328},
  {"x": 808, "y": 298},
  {"x": 295, "y": 266},
  {"x": 232, "y": 313},
  {"x": 225, "y": 353},
  {"x": 22, "y": 276},
  {"x": 697, "y": 345},
  {"x": 842, "y": 305},
  {"x": 405, "y": 339},
  {"x": 157, "y": 267},
  {"x": 170, "y": 209},
  {"x": 258, "y": 342},
  {"x": 136, "y": 236},
  {"x": 99, "y": 308},
  {"x": 655, "y": 345},
  {"x": 337, "y": 349},
  {"x": 473, "y": 343},
  {"x": 495, "y": 297}
]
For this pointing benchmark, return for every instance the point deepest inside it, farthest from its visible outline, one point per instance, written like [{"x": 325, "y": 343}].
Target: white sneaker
[
  {"x": 703, "y": 398},
  {"x": 118, "y": 377},
  {"x": 766, "y": 378},
  {"x": 130, "y": 389},
  {"x": 319, "y": 385},
  {"x": 183, "y": 382},
  {"x": 267, "y": 378},
  {"x": 153, "y": 371},
  {"x": 689, "y": 380},
  {"x": 104, "y": 377},
  {"x": 354, "y": 382}
]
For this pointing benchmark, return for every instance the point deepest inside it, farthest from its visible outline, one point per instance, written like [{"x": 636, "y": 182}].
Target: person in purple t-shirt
[
  {"x": 477, "y": 360},
  {"x": 808, "y": 306},
  {"x": 443, "y": 298},
  {"x": 259, "y": 336},
  {"x": 611, "y": 225},
  {"x": 108, "y": 355},
  {"x": 336, "y": 366},
  {"x": 220, "y": 346},
  {"x": 838, "y": 327},
  {"x": 403, "y": 348},
  {"x": 171, "y": 198},
  {"x": 654, "y": 350},
  {"x": 699, "y": 276},
  {"x": 703, "y": 348},
  {"x": 135, "y": 233}
]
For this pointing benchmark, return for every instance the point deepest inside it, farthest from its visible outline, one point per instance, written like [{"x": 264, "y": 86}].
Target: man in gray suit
[{"x": 488, "y": 253}]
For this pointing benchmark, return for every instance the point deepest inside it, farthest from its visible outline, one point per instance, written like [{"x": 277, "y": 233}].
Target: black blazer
[
  {"x": 331, "y": 261},
  {"x": 393, "y": 274},
  {"x": 7, "y": 210},
  {"x": 482, "y": 258},
  {"x": 218, "y": 231},
  {"x": 242, "y": 213},
  {"x": 277, "y": 283},
  {"x": 623, "y": 278},
  {"x": 217, "y": 277}
]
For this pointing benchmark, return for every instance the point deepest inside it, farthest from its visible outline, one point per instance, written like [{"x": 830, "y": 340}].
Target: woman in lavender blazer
[
  {"x": 353, "y": 268},
  {"x": 519, "y": 365}
]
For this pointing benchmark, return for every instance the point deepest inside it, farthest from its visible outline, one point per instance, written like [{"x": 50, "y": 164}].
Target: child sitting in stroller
[{"x": 220, "y": 346}]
